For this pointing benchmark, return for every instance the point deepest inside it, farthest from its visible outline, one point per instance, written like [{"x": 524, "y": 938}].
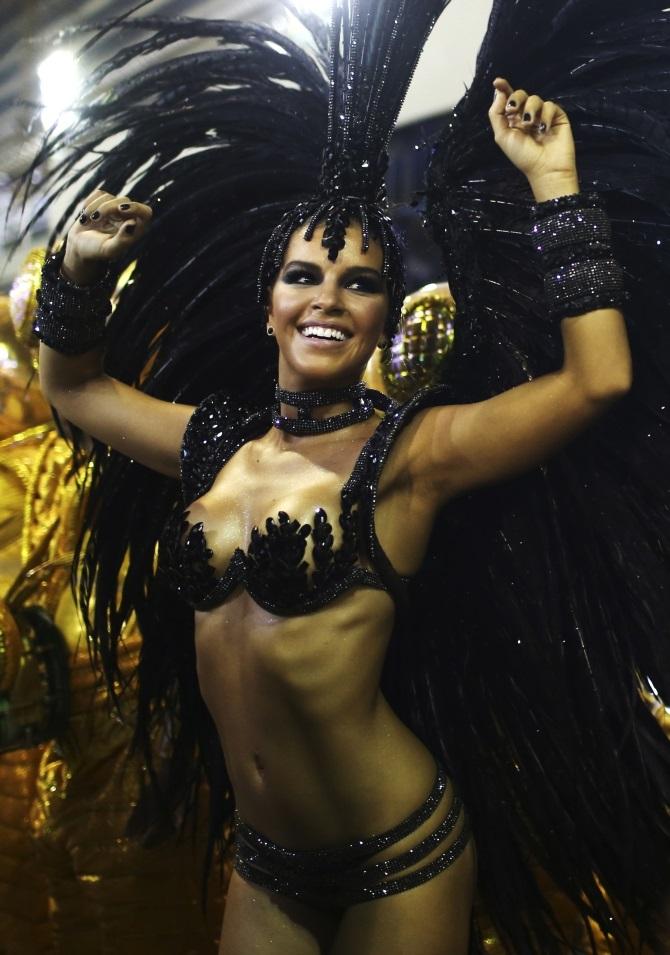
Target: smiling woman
[
  {"x": 328, "y": 316},
  {"x": 304, "y": 534}
]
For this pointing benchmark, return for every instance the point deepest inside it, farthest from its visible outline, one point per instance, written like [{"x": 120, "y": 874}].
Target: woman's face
[{"x": 327, "y": 317}]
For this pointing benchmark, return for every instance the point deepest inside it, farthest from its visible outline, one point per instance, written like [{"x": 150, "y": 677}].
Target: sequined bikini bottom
[{"x": 342, "y": 876}]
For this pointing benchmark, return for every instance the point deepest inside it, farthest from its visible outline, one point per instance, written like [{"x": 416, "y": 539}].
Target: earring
[{"x": 269, "y": 330}]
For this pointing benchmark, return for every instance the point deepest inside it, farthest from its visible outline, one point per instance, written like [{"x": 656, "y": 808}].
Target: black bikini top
[{"x": 273, "y": 569}]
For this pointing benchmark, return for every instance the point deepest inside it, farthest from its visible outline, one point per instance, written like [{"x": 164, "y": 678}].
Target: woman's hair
[{"x": 336, "y": 216}]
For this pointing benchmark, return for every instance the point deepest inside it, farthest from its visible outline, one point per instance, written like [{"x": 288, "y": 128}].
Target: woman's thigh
[
  {"x": 431, "y": 919},
  {"x": 257, "y": 922}
]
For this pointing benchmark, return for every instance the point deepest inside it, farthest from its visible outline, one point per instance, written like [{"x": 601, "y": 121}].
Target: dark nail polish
[
  {"x": 129, "y": 230},
  {"x": 124, "y": 205},
  {"x": 512, "y": 103},
  {"x": 95, "y": 215},
  {"x": 526, "y": 117},
  {"x": 83, "y": 218}
]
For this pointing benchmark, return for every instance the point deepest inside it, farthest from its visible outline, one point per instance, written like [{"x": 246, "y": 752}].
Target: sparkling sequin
[
  {"x": 305, "y": 401},
  {"x": 574, "y": 237},
  {"x": 273, "y": 569},
  {"x": 71, "y": 318},
  {"x": 342, "y": 876}
]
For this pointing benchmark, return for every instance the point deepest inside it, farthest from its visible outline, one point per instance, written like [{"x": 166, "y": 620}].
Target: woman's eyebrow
[
  {"x": 299, "y": 263},
  {"x": 363, "y": 270},
  {"x": 352, "y": 270}
]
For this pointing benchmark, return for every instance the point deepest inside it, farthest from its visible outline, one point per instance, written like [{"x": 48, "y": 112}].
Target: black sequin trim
[
  {"x": 273, "y": 570},
  {"x": 71, "y": 318},
  {"x": 343, "y": 876}
]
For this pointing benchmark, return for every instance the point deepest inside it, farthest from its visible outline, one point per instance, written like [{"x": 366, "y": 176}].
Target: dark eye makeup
[
  {"x": 357, "y": 280},
  {"x": 365, "y": 283},
  {"x": 299, "y": 276}
]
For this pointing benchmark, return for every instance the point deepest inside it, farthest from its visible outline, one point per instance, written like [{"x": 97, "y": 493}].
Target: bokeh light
[
  {"x": 60, "y": 84},
  {"x": 320, "y": 7}
]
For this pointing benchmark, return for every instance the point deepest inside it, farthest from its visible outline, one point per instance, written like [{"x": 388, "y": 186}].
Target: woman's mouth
[{"x": 323, "y": 333}]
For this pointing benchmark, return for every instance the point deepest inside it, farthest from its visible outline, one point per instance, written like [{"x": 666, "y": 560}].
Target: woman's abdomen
[{"x": 314, "y": 752}]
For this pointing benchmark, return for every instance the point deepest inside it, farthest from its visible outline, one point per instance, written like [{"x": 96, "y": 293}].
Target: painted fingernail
[
  {"x": 83, "y": 218},
  {"x": 542, "y": 127},
  {"x": 95, "y": 215},
  {"x": 526, "y": 117},
  {"x": 124, "y": 205},
  {"x": 512, "y": 103},
  {"x": 129, "y": 229}
]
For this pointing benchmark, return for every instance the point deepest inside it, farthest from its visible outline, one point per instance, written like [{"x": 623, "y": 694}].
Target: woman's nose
[{"x": 328, "y": 298}]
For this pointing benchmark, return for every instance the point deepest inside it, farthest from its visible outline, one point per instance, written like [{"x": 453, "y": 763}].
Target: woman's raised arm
[
  {"x": 71, "y": 373},
  {"x": 456, "y": 448}
]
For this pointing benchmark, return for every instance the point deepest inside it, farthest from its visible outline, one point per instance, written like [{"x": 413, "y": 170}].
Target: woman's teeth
[{"x": 318, "y": 331}]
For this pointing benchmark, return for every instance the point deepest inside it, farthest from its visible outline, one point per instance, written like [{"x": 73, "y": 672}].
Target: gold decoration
[
  {"x": 21, "y": 402},
  {"x": 10, "y": 648},
  {"x": 23, "y": 296},
  {"x": 425, "y": 339},
  {"x": 418, "y": 351},
  {"x": 17, "y": 458},
  {"x": 126, "y": 278}
]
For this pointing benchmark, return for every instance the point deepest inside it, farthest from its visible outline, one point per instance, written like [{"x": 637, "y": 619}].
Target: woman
[{"x": 316, "y": 756}]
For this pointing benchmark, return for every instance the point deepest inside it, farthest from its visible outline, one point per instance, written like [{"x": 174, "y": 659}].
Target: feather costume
[
  {"x": 546, "y": 672},
  {"x": 225, "y": 141},
  {"x": 526, "y": 676}
]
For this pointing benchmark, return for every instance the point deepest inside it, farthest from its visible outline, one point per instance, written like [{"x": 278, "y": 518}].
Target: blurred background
[{"x": 39, "y": 82}]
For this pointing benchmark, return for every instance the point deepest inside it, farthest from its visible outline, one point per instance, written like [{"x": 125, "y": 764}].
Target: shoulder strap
[
  {"x": 218, "y": 427},
  {"x": 371, "y": 466}
]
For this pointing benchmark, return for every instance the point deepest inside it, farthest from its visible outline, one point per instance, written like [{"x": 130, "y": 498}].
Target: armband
[
  {"x": 71, "y": 318},
  {"x": 573, "y": 237}
]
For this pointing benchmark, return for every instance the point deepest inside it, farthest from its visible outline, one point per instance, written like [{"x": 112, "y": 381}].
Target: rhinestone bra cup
[{"x": 273, "y": 569}]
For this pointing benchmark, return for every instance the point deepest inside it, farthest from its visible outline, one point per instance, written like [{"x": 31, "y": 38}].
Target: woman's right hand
[{"x": 106, "y": 227}]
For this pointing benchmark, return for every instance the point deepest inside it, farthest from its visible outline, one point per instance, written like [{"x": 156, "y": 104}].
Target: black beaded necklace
[{"x": 305, "y": 401}]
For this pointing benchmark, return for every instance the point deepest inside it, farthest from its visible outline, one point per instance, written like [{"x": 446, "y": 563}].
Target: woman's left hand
[{"x": 536, "y": 137}]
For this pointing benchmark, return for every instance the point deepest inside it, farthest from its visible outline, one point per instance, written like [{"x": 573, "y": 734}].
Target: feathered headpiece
[{"x": 374, "y": 50}]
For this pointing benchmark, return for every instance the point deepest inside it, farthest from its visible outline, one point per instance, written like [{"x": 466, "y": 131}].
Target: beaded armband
[
  {"x": 71, "y": 318},
  {"x": 573, "y": 236}
]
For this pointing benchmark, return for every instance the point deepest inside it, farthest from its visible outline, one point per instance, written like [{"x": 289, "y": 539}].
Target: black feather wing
[
  {"x": 219, "y": 125},
  {"x": 555, "y": 587}
]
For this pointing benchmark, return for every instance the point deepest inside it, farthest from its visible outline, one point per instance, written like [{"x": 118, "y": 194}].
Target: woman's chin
[
  {"x": 321, "y": 369},
  {"x": 327, "y": 361}
]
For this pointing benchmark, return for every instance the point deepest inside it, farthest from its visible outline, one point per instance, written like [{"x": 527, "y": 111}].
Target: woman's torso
[{"x": 315, "y": 754}]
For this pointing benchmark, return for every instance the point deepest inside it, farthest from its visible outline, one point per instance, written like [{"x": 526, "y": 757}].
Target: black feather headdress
[{"x": 537, "y": 688}]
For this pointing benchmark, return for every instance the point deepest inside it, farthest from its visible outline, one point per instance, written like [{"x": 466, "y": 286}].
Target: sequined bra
[{"x": 273, "y": 569}]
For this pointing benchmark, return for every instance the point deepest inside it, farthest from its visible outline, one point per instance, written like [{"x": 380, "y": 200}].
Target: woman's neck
[{"x": 321, "y": 410}]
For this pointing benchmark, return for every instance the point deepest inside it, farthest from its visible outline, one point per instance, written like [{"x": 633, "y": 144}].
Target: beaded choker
[{"x": 305, "y": 401}]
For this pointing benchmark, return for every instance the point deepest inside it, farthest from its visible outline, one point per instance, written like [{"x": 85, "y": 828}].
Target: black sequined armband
[
  {"x": 71, "y": 318},
  {"x": 573, "y": 236}
]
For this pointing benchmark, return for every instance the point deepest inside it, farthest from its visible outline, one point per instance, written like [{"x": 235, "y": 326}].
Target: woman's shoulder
[
  {"x": 394, "y": 434},
  {"x": 401, "y": 416},
  {"x": 218, "y": 427}
]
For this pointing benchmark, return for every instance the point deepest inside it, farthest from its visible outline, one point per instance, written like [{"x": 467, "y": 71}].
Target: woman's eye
[
  {"x": 365, "y": 285},
  {"x": 299, "y": 277}
]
